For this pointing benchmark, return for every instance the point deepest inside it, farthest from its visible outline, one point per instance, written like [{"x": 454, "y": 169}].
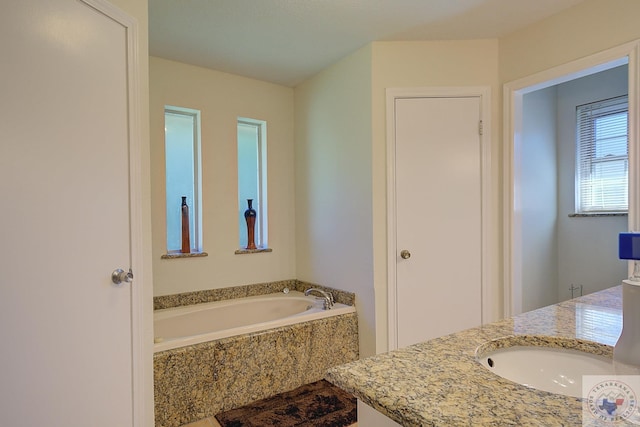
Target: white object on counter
[{"x": 626, "y": 353}]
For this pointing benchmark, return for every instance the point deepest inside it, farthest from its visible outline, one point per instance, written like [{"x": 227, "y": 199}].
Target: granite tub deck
[
  {"x": 440, "y": 382},
  {"x": 198, "y": 381},
  {"x": 221, "y": 294}
]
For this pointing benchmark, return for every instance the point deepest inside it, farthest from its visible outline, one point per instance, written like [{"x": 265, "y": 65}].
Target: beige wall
[
  {"x": 586, "y": 29},
  {"x": 339, "y": 154},
  {"x": 341, "y": 162},
  {"x": 333, "y": 184},
  {"x": 423, "y": 64},
  {"x": 589, "y": 27},
  {"x": 222, "y": 98}
]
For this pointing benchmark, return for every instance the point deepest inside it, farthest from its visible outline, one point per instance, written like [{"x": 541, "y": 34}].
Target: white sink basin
[{"x": 534, "y": 362}]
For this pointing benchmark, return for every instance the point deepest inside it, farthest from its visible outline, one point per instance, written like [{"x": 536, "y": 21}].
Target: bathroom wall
[
  {"x": 587, "y": 28},
  {"x": 587, "y": 247},
  {"x": 222, "y": 98},
  {"x": 333, "y": 184},
  {"x": 341, "y": 163},
  {"x": 538, "y": 182},
  {"x": 425, "y": 64},
  {"x": 333, "y": 231}
]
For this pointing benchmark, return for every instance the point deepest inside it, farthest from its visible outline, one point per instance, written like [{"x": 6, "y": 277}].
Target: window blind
[{"x": 602, "y": 168}]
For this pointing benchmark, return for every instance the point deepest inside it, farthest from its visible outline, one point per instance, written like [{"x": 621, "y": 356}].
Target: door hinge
[{"x": 480, "y": 128}]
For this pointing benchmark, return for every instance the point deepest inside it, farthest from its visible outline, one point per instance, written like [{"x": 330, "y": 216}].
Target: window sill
[
  {"x": 173, "y": 255},
  {"x": 596, "y": 214},
  {"x": 252, "y": 251}
]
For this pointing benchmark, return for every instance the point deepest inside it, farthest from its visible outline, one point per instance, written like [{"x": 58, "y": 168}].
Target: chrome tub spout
[{"x": 326, "y": 296}]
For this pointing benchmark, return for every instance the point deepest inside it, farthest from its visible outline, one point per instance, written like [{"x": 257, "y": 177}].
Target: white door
[
  {"x": 438, "y": 216},
  {"x": 65, "y": 328}
]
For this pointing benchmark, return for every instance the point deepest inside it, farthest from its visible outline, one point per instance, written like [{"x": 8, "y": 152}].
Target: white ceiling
[{"x": 288, "y": 41}]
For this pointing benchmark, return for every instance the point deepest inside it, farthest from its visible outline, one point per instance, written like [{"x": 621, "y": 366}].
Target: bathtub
[{"x": 188, "y": 325}]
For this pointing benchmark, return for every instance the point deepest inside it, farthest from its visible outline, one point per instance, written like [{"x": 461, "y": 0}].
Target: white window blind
[{"x": 602, "y": 168}]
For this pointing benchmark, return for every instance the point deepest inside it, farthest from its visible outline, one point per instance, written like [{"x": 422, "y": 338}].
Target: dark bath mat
[{"x": 316, "y": 404}]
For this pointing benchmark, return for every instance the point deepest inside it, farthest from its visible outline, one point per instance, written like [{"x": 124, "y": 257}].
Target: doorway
[
  {"x": 438, "y": 211},
  {"x": 524, "y": 265}
]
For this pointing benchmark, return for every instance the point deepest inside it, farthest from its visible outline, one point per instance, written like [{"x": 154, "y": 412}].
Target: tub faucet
[{"x": 326, "y": 296}]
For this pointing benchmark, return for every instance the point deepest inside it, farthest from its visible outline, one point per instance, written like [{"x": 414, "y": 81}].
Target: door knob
[
  {"x": 119, "y": 276},
  {"x": 405, "y": 254}
]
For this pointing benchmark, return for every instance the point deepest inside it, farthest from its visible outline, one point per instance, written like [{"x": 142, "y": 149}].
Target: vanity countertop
[{"x": 440, "y": 383}]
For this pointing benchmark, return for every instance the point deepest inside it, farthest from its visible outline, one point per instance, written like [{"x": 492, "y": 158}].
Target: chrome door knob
[
  {"x": 119, "y": 276},
  {"x": 405, "y": 254}
]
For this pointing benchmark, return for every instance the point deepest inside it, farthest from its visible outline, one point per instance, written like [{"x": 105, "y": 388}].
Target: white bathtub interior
[{"x": 194, "y": 324}]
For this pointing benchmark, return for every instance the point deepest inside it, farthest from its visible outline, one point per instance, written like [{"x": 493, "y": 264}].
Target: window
[
  {"x": 252, "y": 178},
  {"x": 183, "y": 176},
  {"x": 602, "y": 167}
]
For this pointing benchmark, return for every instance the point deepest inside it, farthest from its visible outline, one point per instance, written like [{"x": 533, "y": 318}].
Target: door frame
[
  {"x": 487, "y": 245},
  {"x": 141, "y": 350},
  {"x": 512, "y": 130}
]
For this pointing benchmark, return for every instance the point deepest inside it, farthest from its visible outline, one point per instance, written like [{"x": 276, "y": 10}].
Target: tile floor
[
  {"x": 212, "y": 422},
  {"x": 207, "y": 422}
]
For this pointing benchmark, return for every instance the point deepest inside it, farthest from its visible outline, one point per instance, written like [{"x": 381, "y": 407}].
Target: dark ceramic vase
[
  {"x": 250, "y": 218},
  {"x": 186, "y": 243}
]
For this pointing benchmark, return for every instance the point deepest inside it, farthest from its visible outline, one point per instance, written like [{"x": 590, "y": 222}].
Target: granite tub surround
[
  {"x": 196, "y": 382},
  {"x": 441, "y": 383},
  {"x": 209, "y": 295}
]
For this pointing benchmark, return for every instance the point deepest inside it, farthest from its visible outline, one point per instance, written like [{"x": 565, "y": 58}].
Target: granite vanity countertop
[{"x": 440, "y": 383}]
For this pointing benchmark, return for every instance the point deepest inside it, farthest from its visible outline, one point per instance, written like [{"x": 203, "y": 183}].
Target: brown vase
[
  {"x": 186, "y": 243},
  {"x": 250, "y": 218}
]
